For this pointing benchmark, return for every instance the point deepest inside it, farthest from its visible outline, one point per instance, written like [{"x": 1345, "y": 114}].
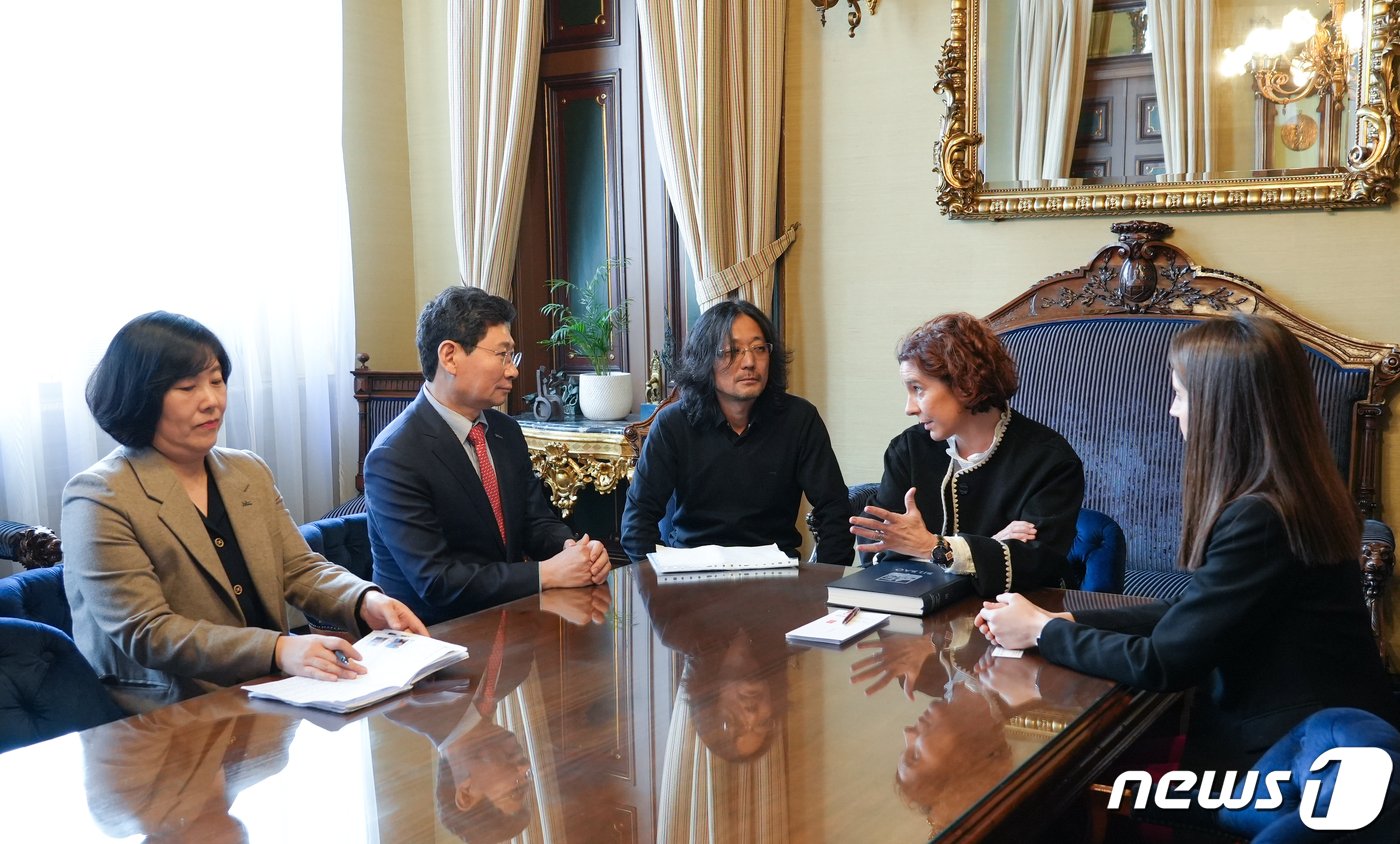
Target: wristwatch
[{"x": 942, "y": 553}]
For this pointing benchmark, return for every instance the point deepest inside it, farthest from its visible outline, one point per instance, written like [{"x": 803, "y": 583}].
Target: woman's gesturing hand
[{"x": 904, "y": 533}]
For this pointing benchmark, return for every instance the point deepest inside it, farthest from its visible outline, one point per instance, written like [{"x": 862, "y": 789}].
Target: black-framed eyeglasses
[
  {"x": 760, "y": 351},
  {"x": 512, "y": 358}
]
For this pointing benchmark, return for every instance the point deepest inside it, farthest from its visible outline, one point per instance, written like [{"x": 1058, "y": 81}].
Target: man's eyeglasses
[
  {"x": 512, "y": 358},
  {"x": 729, "y": 355}
]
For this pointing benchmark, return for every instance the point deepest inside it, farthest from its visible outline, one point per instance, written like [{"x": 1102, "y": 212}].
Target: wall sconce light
[
  {"x": 852, "y": 17},
  {"x": 1301, "y": 58}
]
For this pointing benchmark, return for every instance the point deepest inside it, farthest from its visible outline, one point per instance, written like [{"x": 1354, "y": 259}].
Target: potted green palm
[{"x": 585, "y": 327}]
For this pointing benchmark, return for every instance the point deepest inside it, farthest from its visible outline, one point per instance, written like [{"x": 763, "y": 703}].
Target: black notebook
[{"x": 906, "y": 587}]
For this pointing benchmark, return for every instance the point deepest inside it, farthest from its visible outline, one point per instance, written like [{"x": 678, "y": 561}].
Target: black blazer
[
  {"x": 431, "y": 528},
  {"x": 1033, "y": 474},
  {"x": 1269, "y": 640}
]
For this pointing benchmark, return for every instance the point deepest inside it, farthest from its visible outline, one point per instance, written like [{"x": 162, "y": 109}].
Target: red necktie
[
  {"x": 487, "y": 701},
  {"x": 477, "y": 437}
]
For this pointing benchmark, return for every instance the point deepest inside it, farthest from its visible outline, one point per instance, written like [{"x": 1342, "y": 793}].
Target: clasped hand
[
  {"x": 1011, "y": 621},
  {"x": 578, "y": 606},
  {"x": 583, "y": 562}
]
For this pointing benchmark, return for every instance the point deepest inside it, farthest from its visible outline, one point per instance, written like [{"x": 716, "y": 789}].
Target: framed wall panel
[{"x": 580, "y": 23}]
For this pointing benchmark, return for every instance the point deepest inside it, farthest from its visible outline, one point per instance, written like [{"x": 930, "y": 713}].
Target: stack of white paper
[{"x": 719, "y": 558}]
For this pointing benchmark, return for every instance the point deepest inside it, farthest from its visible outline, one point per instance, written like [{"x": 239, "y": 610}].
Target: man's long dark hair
[
  {"x": 1254, "y": 428},
  {"x": 695, "y": 376}
]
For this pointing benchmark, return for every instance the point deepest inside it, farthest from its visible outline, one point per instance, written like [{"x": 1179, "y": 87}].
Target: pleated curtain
[
  {"x": 713, "y": 74},
  {"x": 494, "y": 64},
  {"x": 1052, "y": 49},
  {"x": 1179, "y": 33}
]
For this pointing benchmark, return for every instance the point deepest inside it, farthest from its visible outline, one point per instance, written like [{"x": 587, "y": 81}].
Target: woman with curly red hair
[{"x": 974, "y": 486}]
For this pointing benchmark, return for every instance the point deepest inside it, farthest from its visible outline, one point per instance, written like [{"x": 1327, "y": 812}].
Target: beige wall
[
  {"x": 376, "y": 167},
  {"x": 397, "y": 169},
  {"x": 425, "y": 63}
]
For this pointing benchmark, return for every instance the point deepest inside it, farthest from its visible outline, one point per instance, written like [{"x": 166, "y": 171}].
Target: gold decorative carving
[
  {"x": 1368, "y": 178},
  {"x": 955, "y": 155},
  {"x": 570, "y": 462}
]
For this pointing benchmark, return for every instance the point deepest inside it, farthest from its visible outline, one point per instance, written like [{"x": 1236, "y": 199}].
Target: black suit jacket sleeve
[
  {"x": 1034, "y": 475},
  {"x": 1246, "y": 554},
  {"x": 542, "y": 533}
]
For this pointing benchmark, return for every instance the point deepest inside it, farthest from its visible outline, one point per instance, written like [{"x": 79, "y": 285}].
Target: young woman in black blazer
[{"x": 1273, "y": 626}]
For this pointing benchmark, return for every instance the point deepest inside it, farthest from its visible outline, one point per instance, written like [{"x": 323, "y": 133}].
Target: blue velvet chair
[
  {"x": 1090, "y": 345},
  {"x": 47, "y": 687},
  {"x": 344, "y": 540},
  {"x": 37, "y": 595},
  {"x": 1099, "y": 555},
  {"x": 1295, "y": 753}
]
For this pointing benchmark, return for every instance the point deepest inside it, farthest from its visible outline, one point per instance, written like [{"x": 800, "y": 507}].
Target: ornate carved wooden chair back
[
  {"x": 1091, "y": 349},
  {"x": 382, "y": 396}
]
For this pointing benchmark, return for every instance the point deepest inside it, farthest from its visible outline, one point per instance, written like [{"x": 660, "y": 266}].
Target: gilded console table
[{"x": 572, "y": 454}]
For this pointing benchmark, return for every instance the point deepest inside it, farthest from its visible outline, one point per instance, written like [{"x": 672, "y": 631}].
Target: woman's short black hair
[
  {"x": 695, "y": 376},
  {"x": 126, "y": 391}
]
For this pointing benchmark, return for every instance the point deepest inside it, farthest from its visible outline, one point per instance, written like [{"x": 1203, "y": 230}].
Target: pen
[
  {"x": 341, "y": 657},
  {"x": 850, "y": 615}
]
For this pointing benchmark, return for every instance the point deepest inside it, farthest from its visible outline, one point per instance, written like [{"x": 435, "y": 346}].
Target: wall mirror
[{"x": 1072, "y": 107}]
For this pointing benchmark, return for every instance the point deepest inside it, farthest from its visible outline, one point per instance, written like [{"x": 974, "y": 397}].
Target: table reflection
[
  {"x": 172, "y": 775},
  {"x": 653, "y": 711},
  {"x": 959, "y": 747},
  {"x": 483, "y": 775},
  {"x": 724, "y": 771}
]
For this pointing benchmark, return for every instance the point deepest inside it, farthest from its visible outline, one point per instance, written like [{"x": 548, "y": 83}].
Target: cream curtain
[
  {"x": 713, "y": 73},
  {"x": 494, "y": 68},
  {"x": 1178, "y": 32},
  {"x": 1052, "y": 47},
  {"x": 216, "y": 190}
]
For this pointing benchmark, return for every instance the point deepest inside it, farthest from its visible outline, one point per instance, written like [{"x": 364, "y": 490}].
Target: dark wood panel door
[
  {"x": 1120, "y": 134},
  {"x": 594, "y": 188}
]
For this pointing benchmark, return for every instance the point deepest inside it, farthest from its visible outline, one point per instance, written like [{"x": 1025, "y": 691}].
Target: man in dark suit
[{"x": 457, "y": 517}]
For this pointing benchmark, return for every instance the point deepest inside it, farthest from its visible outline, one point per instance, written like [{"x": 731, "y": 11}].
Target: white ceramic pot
[{"x": 605, "y": 397}]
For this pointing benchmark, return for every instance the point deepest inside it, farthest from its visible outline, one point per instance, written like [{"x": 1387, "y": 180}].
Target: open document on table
[
  {"x": 719, "y": 558},
  {"x": 394, "y": 661}
]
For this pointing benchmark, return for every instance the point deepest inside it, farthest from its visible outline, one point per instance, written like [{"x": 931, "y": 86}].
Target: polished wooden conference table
[{"x": 636, "y": 711}]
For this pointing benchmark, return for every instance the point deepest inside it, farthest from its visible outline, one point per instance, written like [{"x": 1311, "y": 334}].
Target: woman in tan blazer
[{"x": 179, "y": 557}]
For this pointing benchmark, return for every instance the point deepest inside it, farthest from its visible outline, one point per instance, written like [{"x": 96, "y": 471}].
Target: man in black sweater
[{"x": 737, "y": 452}]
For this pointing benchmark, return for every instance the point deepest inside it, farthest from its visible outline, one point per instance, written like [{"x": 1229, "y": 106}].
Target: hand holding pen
[{"x": 318, "y": 657}]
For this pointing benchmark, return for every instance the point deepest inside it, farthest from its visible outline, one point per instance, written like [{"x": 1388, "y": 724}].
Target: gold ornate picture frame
[{"x": 1365, "y": 179}]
